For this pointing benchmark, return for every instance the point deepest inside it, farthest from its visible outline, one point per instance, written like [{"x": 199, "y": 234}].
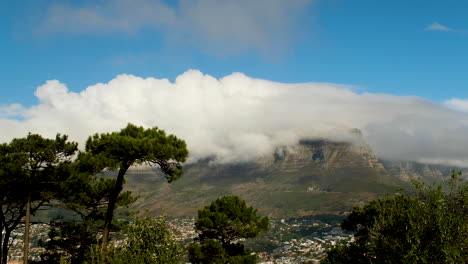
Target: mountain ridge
[{"x": 312, "y": 177}]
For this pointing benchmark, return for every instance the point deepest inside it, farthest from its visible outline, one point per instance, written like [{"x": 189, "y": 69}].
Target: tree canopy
[
  {"x": 430, "y": 226},
  {"x": 31, "y": 169},
  {"x": 220, "y": 225},
  {"x": 133, "y": 145},
  {"x": 35, "y": 171}
]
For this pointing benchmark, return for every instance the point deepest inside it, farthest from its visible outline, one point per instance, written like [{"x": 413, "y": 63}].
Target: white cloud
[
  {"x": 11, "y": 110},
  {"x": 238, "y": 117},
  {"x": 228, "y": 25},
  {"x": 457, "y": 104},
  {"x": 438, "y": 27}
]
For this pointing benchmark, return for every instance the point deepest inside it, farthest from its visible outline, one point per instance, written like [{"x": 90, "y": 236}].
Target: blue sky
[
  {"x": 379, "y": 46},
  {"x": 238, "y": 78}
]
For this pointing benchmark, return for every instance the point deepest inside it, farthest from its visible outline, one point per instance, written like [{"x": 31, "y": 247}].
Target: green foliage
[
  {"x": 149, "y": 241},
  {"x": 31, "y": 169},
  {"x": 68, "y": 240},
  {"x": 210, "y": 251},
  {"x": 228, "y": 218},
  {"x": 35, "y": 171},
  {"x": 34, "y": 166},
  {"x": 213, "y": 251},
  {"x": 121, "y": 150},
  {"x": 152, "y": 241},
  {"x": 137, "y": 145},
  {"x": 428, "y": 227},
  {"x": 220, "y": 225},
  {"x": 86, "y": 197}
]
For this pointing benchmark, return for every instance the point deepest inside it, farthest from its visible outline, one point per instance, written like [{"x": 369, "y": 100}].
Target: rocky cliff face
[
  {"x": 407, "y": 170},
  {"x": 322, "y": 154}
]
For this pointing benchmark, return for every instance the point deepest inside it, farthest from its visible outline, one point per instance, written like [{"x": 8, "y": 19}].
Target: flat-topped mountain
[{"x": 313, "y": 177}]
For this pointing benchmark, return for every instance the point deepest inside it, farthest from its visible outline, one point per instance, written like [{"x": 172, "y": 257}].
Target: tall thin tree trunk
[
  {"x": 1, "y": 236},
  {"x": 26, "y": 231},
  {"x": 111, "y": 206},
  {"x": 5, "y": 247}
]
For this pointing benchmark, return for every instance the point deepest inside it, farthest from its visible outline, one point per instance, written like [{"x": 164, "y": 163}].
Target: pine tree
[
  {"x": 31, "y": 169},
  {"x": 130, "y": 146},
  {"x": 220, "y": 225}
]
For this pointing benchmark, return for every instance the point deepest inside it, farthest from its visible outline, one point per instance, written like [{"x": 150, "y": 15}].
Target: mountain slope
[{"x": 310, "y": 178}]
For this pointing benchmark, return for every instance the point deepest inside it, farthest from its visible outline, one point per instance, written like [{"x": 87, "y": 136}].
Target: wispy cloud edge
[{"x": 435, "y": 26}]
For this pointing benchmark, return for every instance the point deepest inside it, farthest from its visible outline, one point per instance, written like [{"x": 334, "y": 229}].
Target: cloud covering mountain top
[{"x": 237, "y": 118}]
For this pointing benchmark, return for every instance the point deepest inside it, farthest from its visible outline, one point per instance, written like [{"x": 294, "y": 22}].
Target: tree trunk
[
  {"x": 5, "y": 247},
  {"x": 1, "y": 235},
  {"x": 111, "y": 206},
  {"x": 26, "y": 231},
  {"x": 8, "y": 227}
]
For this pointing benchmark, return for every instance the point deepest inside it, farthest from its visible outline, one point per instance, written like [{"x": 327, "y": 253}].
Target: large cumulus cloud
[{"x": 237, "y": 118}]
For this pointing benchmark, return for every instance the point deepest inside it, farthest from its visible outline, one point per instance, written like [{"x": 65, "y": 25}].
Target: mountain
[{"x": 313, "y": 177}]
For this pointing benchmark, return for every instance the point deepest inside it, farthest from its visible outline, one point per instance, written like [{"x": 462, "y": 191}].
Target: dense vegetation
[
  {"x": 430, "y": 226},
  {"x": 149, "y": 241},
  {"x": 220, "y": 225},
  {"x": 132, "y": 145},
  {"x": 31, "y": 170},
  {"x": 37, "y": 172}
]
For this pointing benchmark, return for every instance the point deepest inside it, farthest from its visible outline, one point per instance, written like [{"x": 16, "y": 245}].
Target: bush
[
  {"x": 428, "y": 227},
  {"x": 221, "y": 224},
  {"x": 150, "y": 241}
]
